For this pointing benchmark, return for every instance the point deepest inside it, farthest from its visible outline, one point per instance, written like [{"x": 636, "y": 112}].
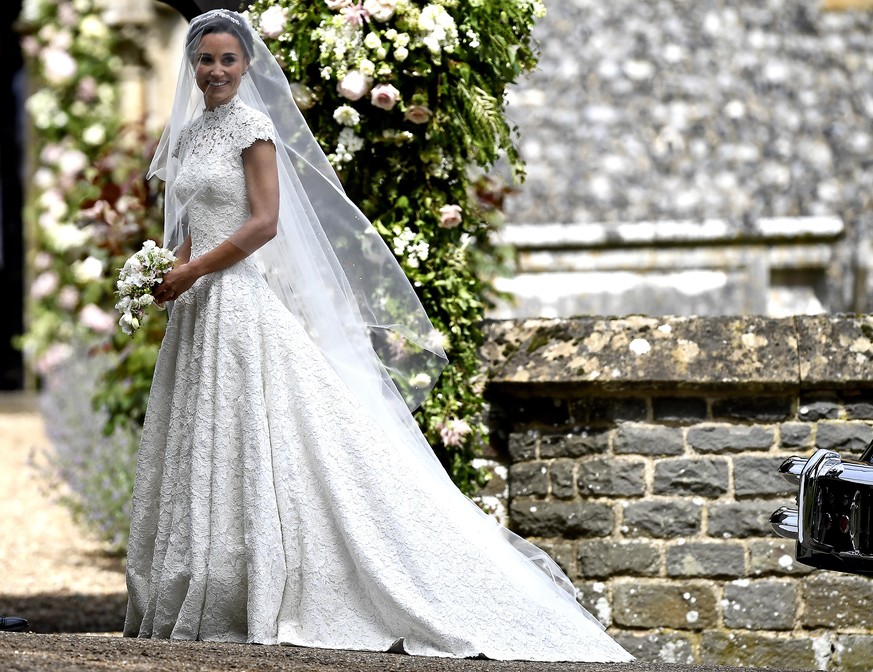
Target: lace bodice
[{"x": 211, "y": 182}]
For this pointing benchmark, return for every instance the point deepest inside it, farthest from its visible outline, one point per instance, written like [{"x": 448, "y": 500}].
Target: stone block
[
  {"x": 563, "y": 480},
  {"x": 563, "y": 553},
  {"x": 795, "y": 435},
  {"x": 754, "y": 650},
  {"x": 814, "y": 408},
  {"x": 708, "y": 559},
  {"x": 758, "y": 476},
  {"x": 611, "y": 477},
  {"x": 686, "y": 605},
  {"x": 529, "y": 479},
  {"x": 542, "y": 412},
  {"x": 707, "y": 477},
  {"x": 571, "y": 520},
  {"x": 834, "y": 600},
  {"x": 576, "y": 444},
  {"x": 594, "y": 596},
  {"x": 683, "y": 410},
  {"x": 859, "y": 406},
  {"x": 608, "y": 410},
  {"x": 854, "y": 653},
  {"x": 643, "y": 439},
  {"x": 662, "y": 518},
  {"x": 667, "y": 647},
  {"x": 752, "y": 409},
  {"x": 835, "y": 350},
  {"x": 776, "y": 557},
  {"x": 760, "y": 605},
  {"x": 523, "y": 445},
  {"x": 740, "y": 519},
  {"x": 844, "y": 437},
  {"x": 730, "y": 438},
  {"x": 601, "y": 559}
]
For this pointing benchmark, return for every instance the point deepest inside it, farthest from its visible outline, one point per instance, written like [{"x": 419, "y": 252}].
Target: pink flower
[
  {"x": 418, "y": 114},
  {"x": 355, "y": 85},
  {"x": 385, "y": 96},
  {"x": 58, "y": 66},
  {"x": 97, "y": 319},
  {"x": 450, "y": 216},
  {"x": 54, "y": 356},
  {"x": 452, "y": 432},
  {"x": 87, "y": 89},
  {"x": 356, "y": 15},
  {"x": 46, "y": 283}
]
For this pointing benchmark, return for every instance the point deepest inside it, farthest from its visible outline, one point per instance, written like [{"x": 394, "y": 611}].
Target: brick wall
[{"x": 642, "y": 454}]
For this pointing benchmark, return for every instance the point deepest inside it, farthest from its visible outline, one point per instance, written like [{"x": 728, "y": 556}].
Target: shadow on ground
[{"x": 68, "y": 612}]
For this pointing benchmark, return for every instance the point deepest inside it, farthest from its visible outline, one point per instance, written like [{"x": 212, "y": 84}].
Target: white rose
[
  {"x": 401, "y": 54},
  {"x": 87, "y": 270},
  {"x": 72, "y": 162},
  {"x": 420, "y": 381},
  {"x": 367, "y": 67},
  {"x": 91, "y": 26},
  {"x": 372, "y": 41},
  {"x": 273, "y": 21},
  {"x": 43, "y": 178},
  {"x": 59, "y": 66},
  {"x": 355, "y": 85},
  {"x": 385, "y": 96},
  {"x": 380, "y": 10},
  {"x": 450, "y": 216},
  {"x": 346, "y": 115},
  {"x": 337, "y": 4},
  {"x": 95, "y": 134}
]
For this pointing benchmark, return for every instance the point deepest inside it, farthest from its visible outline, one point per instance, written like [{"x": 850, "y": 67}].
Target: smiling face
[{"x": 219, "y": 66}]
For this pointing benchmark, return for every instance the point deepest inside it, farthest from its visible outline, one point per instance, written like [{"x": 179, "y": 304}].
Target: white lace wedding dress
[{"x": 269, "y": 507}]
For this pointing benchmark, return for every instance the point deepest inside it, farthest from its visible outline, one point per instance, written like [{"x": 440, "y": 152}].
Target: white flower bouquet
[{"x": 136, "y": 280}]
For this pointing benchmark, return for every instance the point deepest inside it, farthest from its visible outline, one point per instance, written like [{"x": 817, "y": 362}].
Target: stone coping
[
  {"x": 635, "y": 352},
  {"x": 671, "y": 232}
]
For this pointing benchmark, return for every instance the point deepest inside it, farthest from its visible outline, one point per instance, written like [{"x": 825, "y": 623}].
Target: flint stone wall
[
  {"x": 713, "y": 114},
  {"x": 642, "y": 454}
]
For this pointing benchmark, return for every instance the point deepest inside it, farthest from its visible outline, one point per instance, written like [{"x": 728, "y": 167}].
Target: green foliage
[{"x": 407, "y": 99}]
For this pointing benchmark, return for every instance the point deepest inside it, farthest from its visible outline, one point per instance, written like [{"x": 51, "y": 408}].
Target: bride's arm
[{"x": 262, "y": 186}]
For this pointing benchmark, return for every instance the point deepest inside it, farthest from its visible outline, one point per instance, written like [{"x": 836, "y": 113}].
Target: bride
[{"x": 283, "y": 492}]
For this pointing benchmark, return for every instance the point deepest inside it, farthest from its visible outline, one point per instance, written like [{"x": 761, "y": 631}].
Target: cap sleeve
[{"x": 254, "y": 125}]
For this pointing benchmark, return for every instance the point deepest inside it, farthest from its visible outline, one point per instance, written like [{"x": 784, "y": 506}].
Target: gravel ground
[{"x": 74, "y": 596}]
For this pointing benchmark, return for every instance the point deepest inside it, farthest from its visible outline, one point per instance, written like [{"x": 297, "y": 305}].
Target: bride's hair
[{"x": 218, "y": 22}]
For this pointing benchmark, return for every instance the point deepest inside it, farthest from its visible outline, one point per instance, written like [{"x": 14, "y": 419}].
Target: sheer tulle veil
[{"x": 330, "y": 267}]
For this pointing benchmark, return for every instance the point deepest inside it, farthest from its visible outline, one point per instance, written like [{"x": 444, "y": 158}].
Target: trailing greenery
[{"x": 407, "y": 99}]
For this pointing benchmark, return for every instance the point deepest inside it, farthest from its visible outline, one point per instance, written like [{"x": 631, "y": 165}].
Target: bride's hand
[{"x": 175, "y": 283}]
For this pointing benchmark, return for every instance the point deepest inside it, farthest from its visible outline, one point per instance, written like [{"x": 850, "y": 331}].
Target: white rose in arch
[
  {"x": 420, "y": 381},
  {"x": 450, "y": 216},
  {"x": 380, "y": 10},
  {"x": 88, "y": 270},
  {"x": 385, "y": 96},
  {"x": 418, "y": 114},
  {"x": 273, "y": 21},
  {"x": 355, "y": 85},
  {"x": 59, "y": 66}
]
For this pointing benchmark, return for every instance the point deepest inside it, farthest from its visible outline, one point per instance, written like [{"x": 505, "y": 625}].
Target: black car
[{"x": 833, "y": 520}]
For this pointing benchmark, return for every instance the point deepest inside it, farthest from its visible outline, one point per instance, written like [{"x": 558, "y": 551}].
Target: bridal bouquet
[{"x": 136, "y": 279}]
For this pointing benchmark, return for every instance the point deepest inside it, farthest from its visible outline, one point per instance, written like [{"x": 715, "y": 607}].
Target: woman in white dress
[{"x": 284, "y": 493}]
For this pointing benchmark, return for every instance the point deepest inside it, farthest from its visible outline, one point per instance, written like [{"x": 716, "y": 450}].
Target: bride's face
[{"x": 220, "y": 64}]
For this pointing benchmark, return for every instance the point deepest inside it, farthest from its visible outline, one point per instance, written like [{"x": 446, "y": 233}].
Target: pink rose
[
  {"x": 385, "y": 96},
  {"x": 418, "y": 114},
  {"x": 273, "y": 21},
  {"x": 450, "y": 216},
  {"x": 97, "y": 319},
  {"x": 355, "y": 85}
]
